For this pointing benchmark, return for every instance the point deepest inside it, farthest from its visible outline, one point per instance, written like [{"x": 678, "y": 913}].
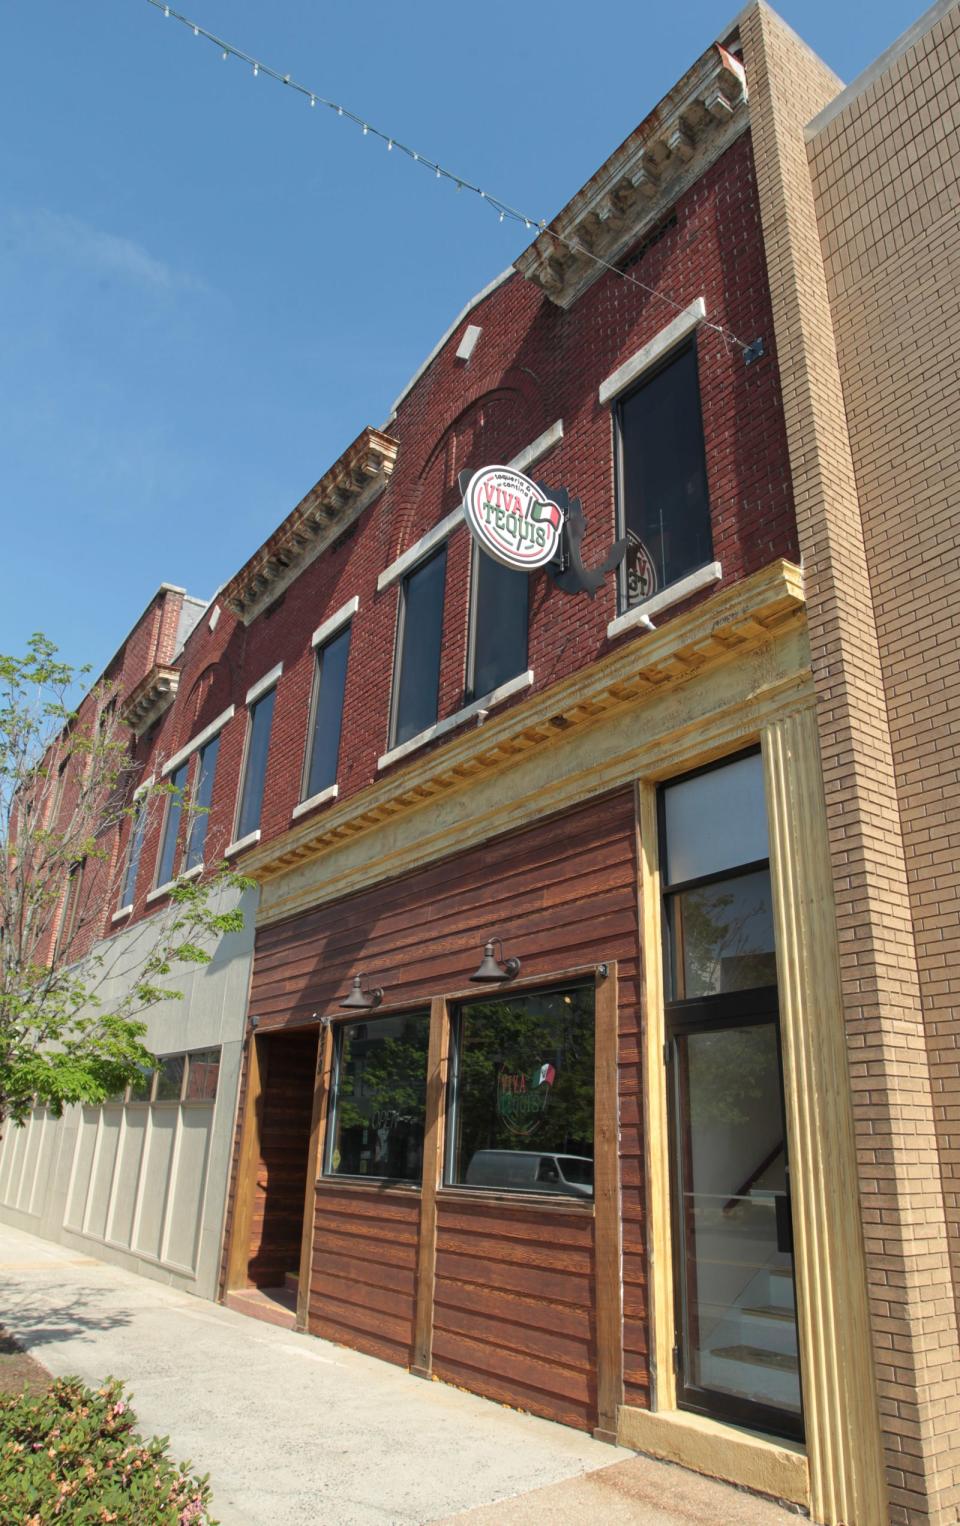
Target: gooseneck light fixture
[
  {"x": 360, "y": 1000},
  {"x": 493, "y": 971}
]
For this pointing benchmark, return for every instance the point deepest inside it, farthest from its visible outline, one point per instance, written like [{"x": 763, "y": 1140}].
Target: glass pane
[
  {"x": 500, "y": 638},
  {"x": 170, "y": 1079},
  {"x": 202, "y": 1074},
  {"x": 140, "y": 1090},
  {"x": 171, "y": 825},
  {"x": 203, "y": 794},
  {"x": 419, "y": 679},
  {"x": 666, "y": 509},
  {"x": 331, "y": 682},
  {"x": 722, "y": 936},
  {"x": 380, "y": 1098},
  {"x": 739, "y": 1323},
  {"x": 133, "y": 858},
  {"x": 523, "y": 1119},
  {"x": 261, "y": 717},
  {"x": 715, "y": 820}
]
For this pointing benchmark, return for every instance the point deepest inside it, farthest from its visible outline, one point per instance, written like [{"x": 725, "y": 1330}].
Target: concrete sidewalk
[{"x": 294, "y": 1430}]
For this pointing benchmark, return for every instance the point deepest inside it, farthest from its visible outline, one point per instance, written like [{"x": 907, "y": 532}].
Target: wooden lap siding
[
  {"x": 363, "y": 1287},
  {"x": 513, "y": 1311},
  {"x": 562, "y": 894},
  {"x": 276, "y": 1229}
]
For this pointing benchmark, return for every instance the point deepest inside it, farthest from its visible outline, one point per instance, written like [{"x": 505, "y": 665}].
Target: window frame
[
  {"x": 583, "y": 980},
  {"x": 251, "y": 706},
  {"x": 339, "y": 1027},
  {"x": 650, "y": 373},
  {"x": 182, "y": 794},
  {"x": 344, "y": 629},
  {"x": 195, "y": 767},
  {"x": 398, "y": 646},
  {"x": 470, "y": 693}
]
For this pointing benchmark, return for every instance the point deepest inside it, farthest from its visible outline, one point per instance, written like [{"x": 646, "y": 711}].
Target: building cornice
[
  {"x": 690, "y": 128},
  {"x": 724, "y": 628},
  {"x": 153, "y": 695},
  {"x": 343, "y": 492}
]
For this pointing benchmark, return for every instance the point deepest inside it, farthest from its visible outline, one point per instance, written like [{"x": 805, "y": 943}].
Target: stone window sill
[
  {"x": 124, "y": 911},
  {"x": 321, "y": 798},
  {"x": 241, "y": 843},
  {"x": 685, "y": 588},
  {"x": 450, "y": 722}
]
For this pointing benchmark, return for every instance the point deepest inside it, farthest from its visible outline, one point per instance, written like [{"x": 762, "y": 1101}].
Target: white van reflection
[{"x": 531, "y": 1171}]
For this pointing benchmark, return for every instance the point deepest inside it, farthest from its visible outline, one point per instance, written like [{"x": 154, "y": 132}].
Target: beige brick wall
[{"x": 905, "y": 1234}]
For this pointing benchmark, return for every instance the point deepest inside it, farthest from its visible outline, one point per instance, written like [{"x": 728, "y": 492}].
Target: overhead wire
[{"x": 504, "y": 210}]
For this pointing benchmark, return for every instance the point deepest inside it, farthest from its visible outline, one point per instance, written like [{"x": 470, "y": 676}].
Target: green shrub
[{"x": 72, "y": 1454}]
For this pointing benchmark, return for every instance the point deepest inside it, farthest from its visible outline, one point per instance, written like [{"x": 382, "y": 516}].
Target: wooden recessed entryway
[{"x": 272, "y": 1176}]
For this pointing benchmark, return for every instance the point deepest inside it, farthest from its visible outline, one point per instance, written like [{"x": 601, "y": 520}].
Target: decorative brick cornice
[
  {"x": 641, "y": 180},
  {"x": 720, "y": 630},
  {"x": 342, "y": 493},
  {"x": 153, "y": 695}
]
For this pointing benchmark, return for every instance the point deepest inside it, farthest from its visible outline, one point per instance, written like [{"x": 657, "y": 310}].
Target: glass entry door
[{"x": 737, "y": 1353}]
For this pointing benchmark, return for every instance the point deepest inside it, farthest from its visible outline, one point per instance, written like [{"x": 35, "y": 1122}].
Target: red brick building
[{"x": 615, "y": 1183}]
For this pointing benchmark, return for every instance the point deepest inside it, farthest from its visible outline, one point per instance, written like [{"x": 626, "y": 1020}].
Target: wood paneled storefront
[{"x": 517, "y": 1296}]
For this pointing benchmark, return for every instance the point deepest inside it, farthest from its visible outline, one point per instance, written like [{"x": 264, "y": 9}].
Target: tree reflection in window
[
  {"x": 379, "y": 1098},
  {"x": 723, "y": 936},
  {"x": 524, "y": 1085}
]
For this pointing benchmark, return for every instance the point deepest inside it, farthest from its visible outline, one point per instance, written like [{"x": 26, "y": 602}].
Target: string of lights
[{"x": 504, "y": 211}]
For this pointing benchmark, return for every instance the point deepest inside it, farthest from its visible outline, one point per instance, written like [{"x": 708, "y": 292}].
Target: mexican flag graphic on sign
[{"x": 522, "y": 1098}]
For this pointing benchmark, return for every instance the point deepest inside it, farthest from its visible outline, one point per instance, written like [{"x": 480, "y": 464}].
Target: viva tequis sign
[{"x": 511, "y": 519}]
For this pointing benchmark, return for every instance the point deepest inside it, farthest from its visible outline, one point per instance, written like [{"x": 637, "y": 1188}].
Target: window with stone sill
[{"x": 663, "y": 505}]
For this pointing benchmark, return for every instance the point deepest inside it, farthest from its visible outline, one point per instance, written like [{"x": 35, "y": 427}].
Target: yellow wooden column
[{"x": 839, "y": 1398}]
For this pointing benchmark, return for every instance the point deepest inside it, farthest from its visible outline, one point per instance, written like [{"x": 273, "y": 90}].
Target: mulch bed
[{"x": 18, "y": 1370}]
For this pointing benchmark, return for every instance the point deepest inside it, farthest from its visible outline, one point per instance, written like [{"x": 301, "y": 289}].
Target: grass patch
[{"x": 73, "y": 1454}]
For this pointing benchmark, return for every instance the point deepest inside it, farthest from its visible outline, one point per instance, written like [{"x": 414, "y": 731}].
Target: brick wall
[
  {"x": 534, "y": 364},
  {"x": 914, "y": 1331}
]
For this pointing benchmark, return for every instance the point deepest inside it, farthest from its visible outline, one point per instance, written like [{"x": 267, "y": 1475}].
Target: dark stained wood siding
[
  {"x": 562, "y": 894},
  {"x": 363, "y": 1287},
  {"x": 513, "y": 1314},
  {"x": 276, "y": 1229}
]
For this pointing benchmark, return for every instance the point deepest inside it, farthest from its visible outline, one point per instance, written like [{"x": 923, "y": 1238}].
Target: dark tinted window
[
  {"x": 258, "y": 745},
  {"x": 202, "y": 795},
  {"x": 379, "y": 1098},
  {"x": 664, "y": 480},
  {"x": 170, "y": 1078},
  {"x": 421, "y": 628},
  {"x": 204, "y": 1069},
  {"x": 171, "y": 825},
  {"x": 522, "y": 1115},
  {"x": 500, "y": 624},
  {"x": 328, "y": 713}
]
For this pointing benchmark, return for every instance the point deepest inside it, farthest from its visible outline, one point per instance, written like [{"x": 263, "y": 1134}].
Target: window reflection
[
  {"x": 523, "y": 1110},
  {"x": 723, "y": 936},
  {"x": 379, "y": 1098}
]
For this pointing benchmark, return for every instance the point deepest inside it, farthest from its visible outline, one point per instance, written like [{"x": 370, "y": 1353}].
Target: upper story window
[
  {"x": 255, "y": 765},
  {"x": 137, "y": 832},
  {"x": 71, "y": 906},
  {"x": 329, "y": 684},
  {"x": 200, "y": 804},
  {"x": 171, "y": 824},
  {"x": 498, "y": 625},
  {"x": 419, "y": 633},
  {"x": 662, "y": 478}
]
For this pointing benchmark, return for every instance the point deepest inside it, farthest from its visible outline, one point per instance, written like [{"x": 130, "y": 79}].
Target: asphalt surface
[{"x": 297, "y": 1431}]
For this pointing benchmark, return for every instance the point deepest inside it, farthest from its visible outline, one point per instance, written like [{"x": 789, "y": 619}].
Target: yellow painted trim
[
  {"x": 836, "y": 1354},
  {"x": 727, "y": 666},
  {"x": 655, "y": 1113},
  {"x": 777, "y": 1468}
]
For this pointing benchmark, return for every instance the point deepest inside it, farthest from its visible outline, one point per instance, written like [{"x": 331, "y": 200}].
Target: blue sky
[{"x": 208, "y": 289}]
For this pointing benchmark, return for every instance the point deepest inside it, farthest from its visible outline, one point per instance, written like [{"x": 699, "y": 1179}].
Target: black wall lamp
[
  {"x": 360, "y": 1000},
  {"x": 493, "y": 972}
]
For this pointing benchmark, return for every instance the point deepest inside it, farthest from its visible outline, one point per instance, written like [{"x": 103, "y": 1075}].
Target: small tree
[{"x": 67, "y": 784}]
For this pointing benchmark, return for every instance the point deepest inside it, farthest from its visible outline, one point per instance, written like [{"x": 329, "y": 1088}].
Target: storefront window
[
  {"x": 522, "y": 1108},
  {"x": 379, "y": 1098}
]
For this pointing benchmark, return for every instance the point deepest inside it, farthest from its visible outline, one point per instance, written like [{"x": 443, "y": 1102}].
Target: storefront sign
[
  {"x": 511, "y": 519},
  {"x": 521, "y": 1099}
]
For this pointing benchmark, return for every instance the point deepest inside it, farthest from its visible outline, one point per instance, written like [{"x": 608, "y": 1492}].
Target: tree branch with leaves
[{"x": 72, "y": 1002}]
